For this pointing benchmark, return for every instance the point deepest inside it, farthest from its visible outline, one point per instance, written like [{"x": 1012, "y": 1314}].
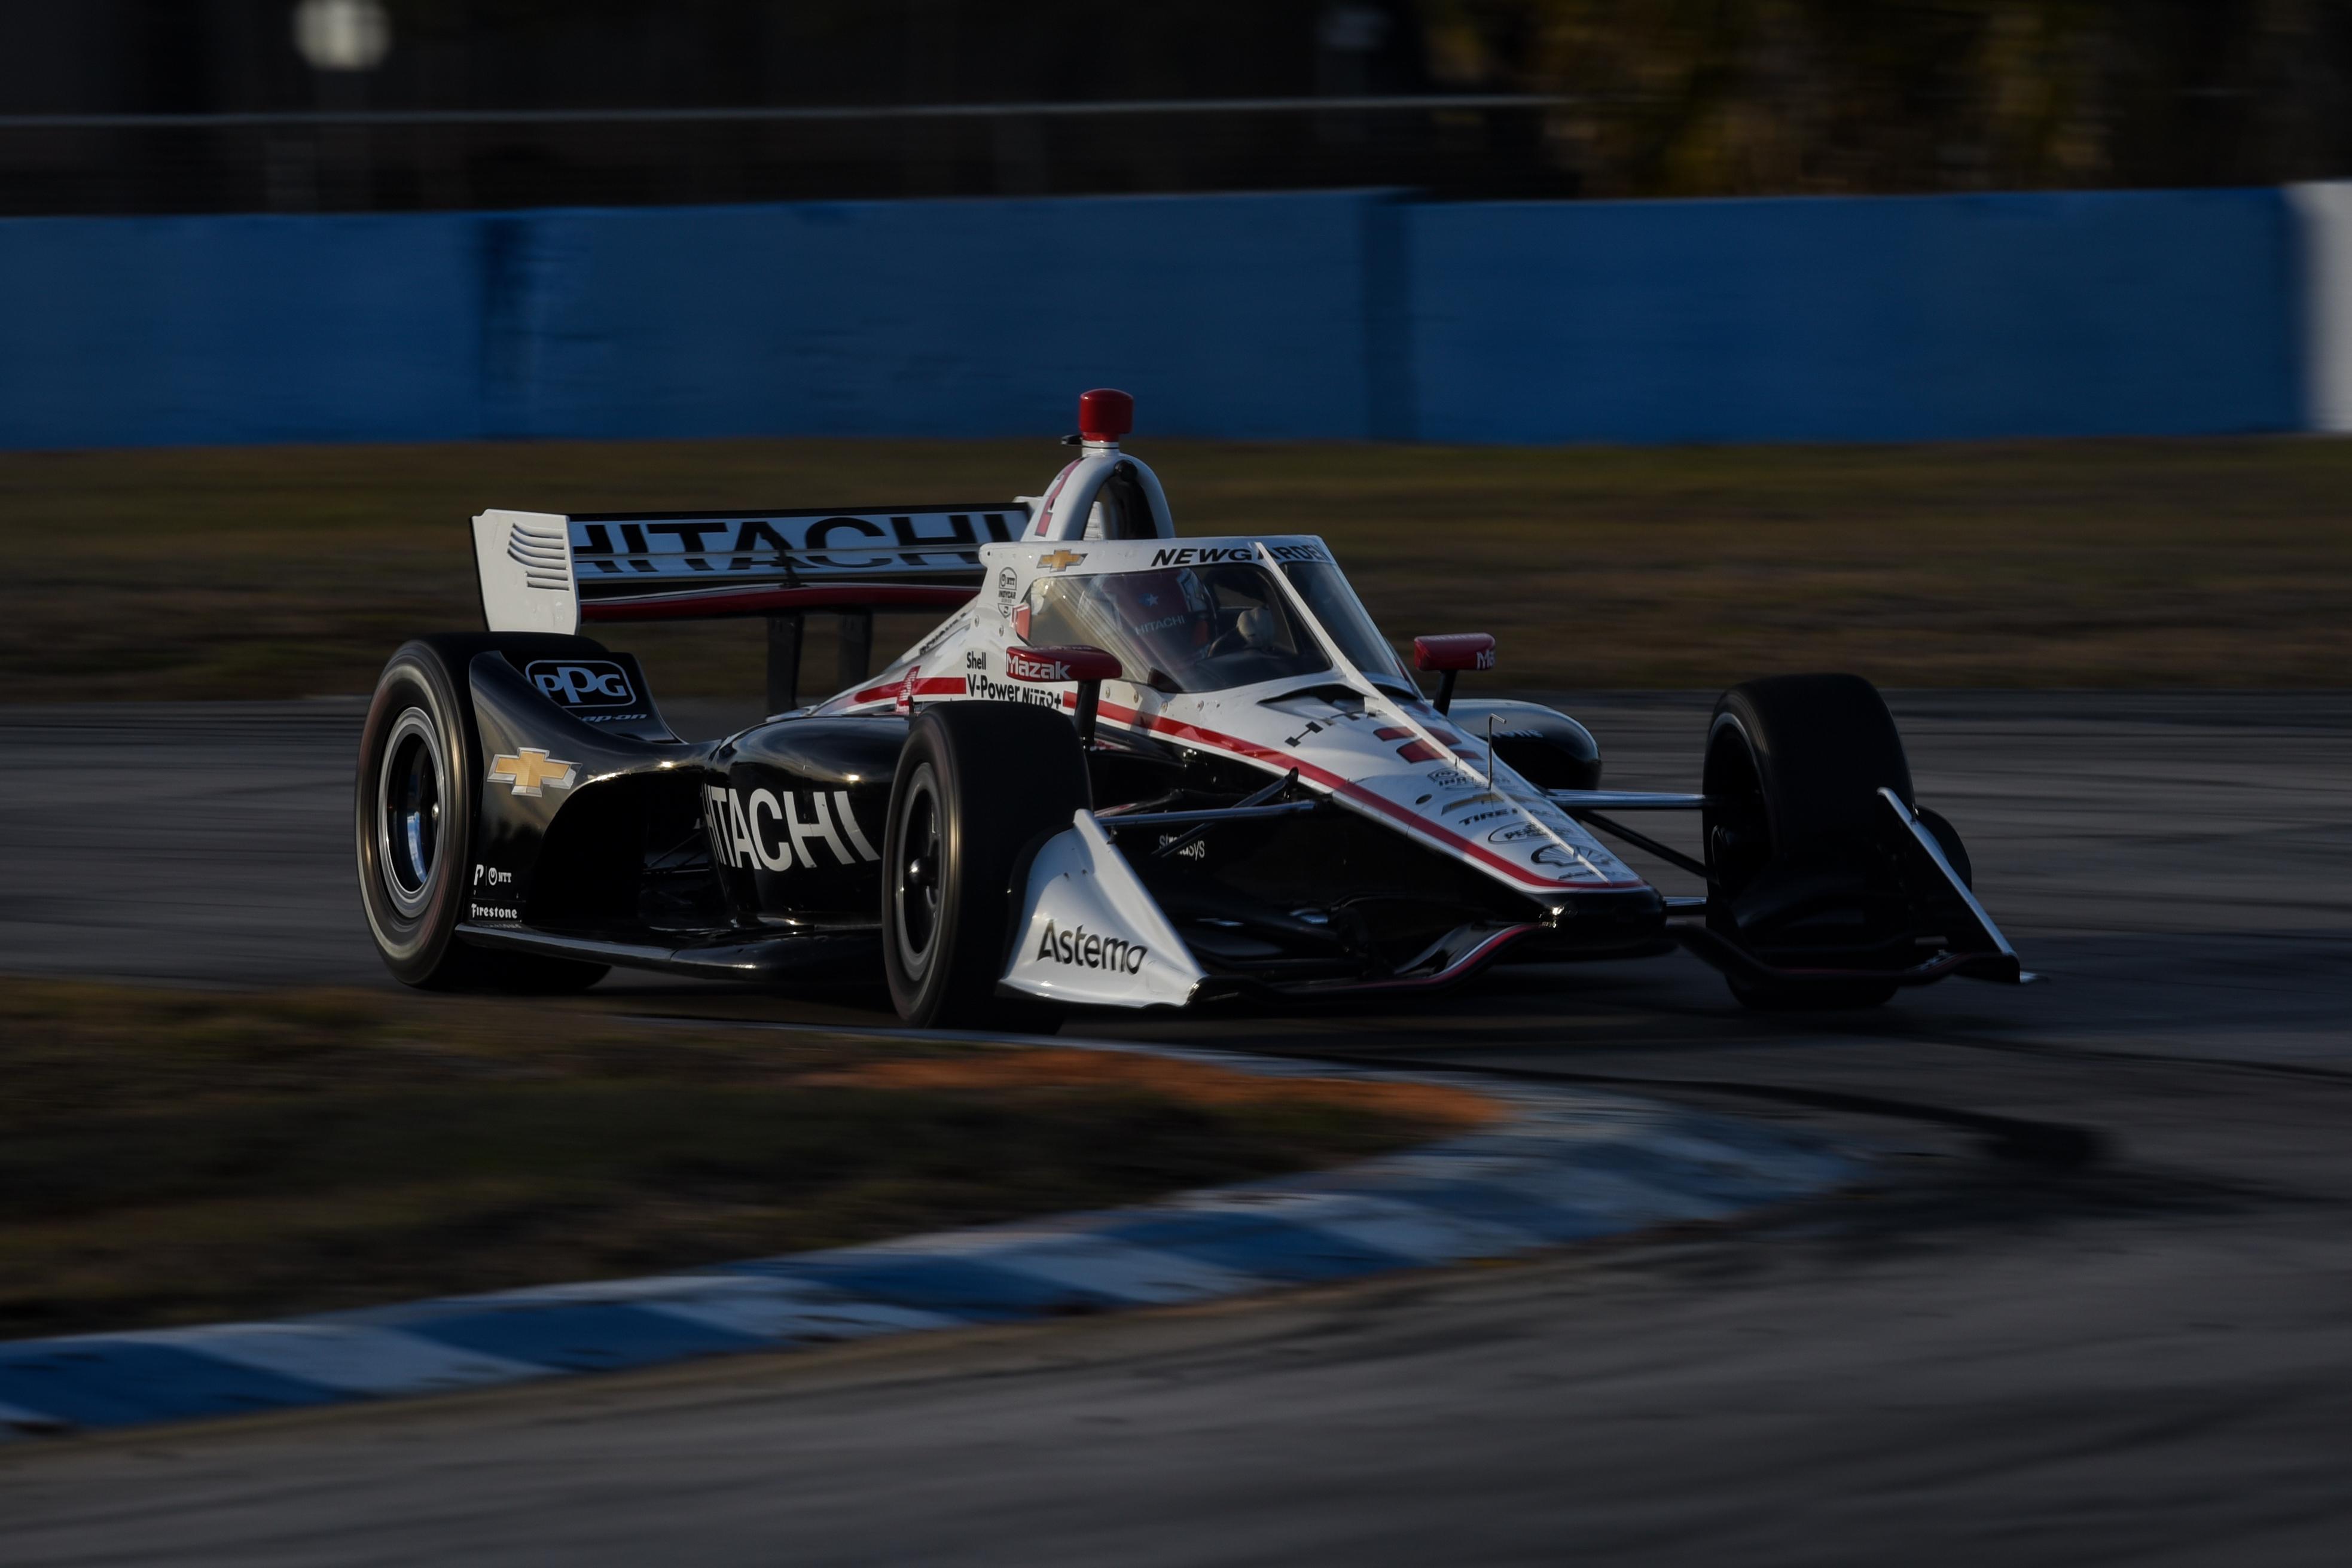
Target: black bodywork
[
  {"x": 756, "y": 855},
  {"x": 603, "y": 836}
]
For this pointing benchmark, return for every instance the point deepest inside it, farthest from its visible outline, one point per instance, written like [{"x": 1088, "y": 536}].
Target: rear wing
[{"x": 544, "y": 571}]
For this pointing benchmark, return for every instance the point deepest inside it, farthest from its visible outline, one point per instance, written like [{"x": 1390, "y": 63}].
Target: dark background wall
[{"x": 1644, "y": 97}]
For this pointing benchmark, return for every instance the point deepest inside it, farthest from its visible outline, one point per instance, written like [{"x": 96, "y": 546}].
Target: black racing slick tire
[
  {"x": 1795, "y": 834},
  {"x": 979, "y": 785},
  {"x": 419, "y": 777}
]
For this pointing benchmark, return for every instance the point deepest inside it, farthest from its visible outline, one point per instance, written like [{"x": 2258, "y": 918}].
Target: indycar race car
[{"x": 1127, "y": 770}]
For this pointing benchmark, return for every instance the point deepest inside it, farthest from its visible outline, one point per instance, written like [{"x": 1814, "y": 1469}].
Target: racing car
[{"x": 1127, "y": 769}]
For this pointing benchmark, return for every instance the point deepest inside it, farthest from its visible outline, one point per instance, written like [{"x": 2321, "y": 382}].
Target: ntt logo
[{"x": 1081, "y": 950}]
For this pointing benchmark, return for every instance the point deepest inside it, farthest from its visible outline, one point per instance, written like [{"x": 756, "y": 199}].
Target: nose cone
[{"x": 1427, "y": 778}]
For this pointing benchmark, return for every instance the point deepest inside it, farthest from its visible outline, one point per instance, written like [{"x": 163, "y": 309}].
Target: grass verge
[
  {"x": 179, "y": 1157},
  {"x": 293, "y": 571}
]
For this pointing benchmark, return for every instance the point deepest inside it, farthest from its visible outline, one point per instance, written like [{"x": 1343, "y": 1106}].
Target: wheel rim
[
  {"x": 411, "y": 788},
  {"x": 914, "y": 873}
]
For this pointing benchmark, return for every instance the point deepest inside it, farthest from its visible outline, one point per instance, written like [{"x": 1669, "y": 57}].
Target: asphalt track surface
[{"x": 2102, "y": 1312}]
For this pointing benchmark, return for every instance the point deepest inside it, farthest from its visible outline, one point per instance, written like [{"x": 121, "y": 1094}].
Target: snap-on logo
[
  {"x": 582, "y": 682},
  {"x": 933, "y": 643},
  {"x": 1080, "y": 950}
]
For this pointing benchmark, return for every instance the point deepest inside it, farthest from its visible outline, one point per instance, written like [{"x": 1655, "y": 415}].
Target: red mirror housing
[
  {"x": 1090, "y": 666},
  {"x": 1450, "y": 656},
  {"x": 1456, "y": 651}
]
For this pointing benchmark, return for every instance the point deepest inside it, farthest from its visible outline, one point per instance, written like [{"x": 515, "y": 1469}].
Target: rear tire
[
  {"x": 1797, "y": 867},
  {"x": 419, "y": 777},
  {"x": 979, "y": 784}
]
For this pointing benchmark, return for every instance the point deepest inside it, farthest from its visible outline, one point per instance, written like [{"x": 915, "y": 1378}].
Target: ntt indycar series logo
[{"x": 1080, "y": 949}]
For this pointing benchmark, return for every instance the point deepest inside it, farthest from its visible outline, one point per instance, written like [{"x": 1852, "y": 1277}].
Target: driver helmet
[{"x": 1171, "y": 606}]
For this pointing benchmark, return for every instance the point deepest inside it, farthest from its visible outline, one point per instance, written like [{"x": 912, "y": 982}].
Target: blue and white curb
[{"x": 1559, "y": 1167}]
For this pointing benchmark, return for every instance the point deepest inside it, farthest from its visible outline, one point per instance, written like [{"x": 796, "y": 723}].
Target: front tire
[
  {"x": 1798, "y": 869},
  {"x": 979, "y": 784},
  {"x": 419, "y": 779}
]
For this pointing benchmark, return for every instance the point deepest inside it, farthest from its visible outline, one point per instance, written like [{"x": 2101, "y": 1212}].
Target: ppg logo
[{"x": 582, "y": 683}]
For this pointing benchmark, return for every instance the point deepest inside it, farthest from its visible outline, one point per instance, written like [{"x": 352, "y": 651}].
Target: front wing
[{"x": 1088, "y": 932}]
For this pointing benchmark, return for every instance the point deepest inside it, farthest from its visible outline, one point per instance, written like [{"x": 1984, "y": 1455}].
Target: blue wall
[
  {"x": 1344, "y": 315},
  {"x": 1889, "y": 319},
  {"x": 145, "y": 331},
  {"x": 1222, "y": 314}
]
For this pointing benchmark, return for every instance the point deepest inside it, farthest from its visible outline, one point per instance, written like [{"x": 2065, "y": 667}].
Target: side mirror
[
  {"x": 1090, "y": 666},
  {"x": 1450, "y": 656}
]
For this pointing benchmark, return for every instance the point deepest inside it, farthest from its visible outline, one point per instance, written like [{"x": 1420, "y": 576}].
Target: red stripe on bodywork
[
  {"x": 1234, "y": 745},
  {"x": 901, "y": 689},
  {"x": 716, "y": 603}
]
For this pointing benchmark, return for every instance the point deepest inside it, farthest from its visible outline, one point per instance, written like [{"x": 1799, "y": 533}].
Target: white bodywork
[
  {"x": 1069, "y": 509},
  {"x": 523, "y": 561},
  {"x": 1384, "y": 754},
  {"x": 1381, "y": 753},
  {"x": 1390, "y": 757},
  {"x": 1091, "y": 933}
]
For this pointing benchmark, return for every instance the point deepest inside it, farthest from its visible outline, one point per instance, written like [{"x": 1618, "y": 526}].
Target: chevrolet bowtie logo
[
  {"x": 532, "y": 769},
  {"x": 1058, "y": 559}
]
